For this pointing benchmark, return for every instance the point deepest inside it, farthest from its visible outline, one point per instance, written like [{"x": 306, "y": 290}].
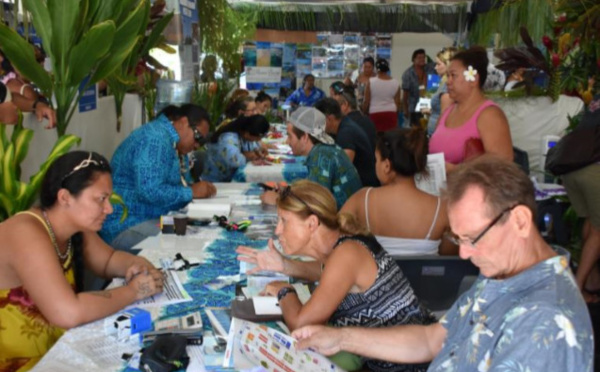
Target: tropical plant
[
  {"x": 82, "y": 38},
  {"x": 16, "y": 195},
  {"x": 213, "y": 97},
  {"x": 126, "y": 76},
  {"x": 223, "y": 31}
]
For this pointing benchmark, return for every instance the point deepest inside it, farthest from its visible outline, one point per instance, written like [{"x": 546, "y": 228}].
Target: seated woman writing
[
  {"x": 404, "y": 219},
  {"x": 38, "y": 293},
  {"x": 359, "y": 283},
  {"x": 233, "y": 145}
]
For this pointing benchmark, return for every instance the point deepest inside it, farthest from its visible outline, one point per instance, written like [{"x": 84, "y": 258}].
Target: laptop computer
[{"x": 438, "y": 281}]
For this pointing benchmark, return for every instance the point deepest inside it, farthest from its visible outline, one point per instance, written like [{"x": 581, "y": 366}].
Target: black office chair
[
  {"x": 522, "y": 159},
  {"x": 438, "y": 281}
]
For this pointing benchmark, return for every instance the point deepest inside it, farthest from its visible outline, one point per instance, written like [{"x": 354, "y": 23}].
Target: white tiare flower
[
  {"x": 464, "y": 308},
  {"x": 567, "y": 331},
  {"x": 484, "y": 365},
  {"x": 470, "y": 73},
  {"x": 480, "y": 330}
]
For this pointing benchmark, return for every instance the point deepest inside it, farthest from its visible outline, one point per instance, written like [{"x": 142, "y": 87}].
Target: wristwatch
[{"x": 284, "y": 292}]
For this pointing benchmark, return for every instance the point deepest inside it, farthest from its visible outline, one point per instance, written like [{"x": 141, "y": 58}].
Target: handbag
[
  {"x": 575, "y": 150},
  {"x": 473, "y": 148}
]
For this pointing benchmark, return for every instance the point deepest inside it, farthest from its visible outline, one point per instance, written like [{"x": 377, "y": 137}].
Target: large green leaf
[
  {"x": 154, "y": 37},
  {"x": 64, "y": 15},
  {"x": 41, "y": 21},
  {"x": 117, "y": 199},
  {"x": 7, "y": 204},
  {"x": 22, "y": 145},
  {"x": 62, "y": 146},
  {"x": 92, "y": 47},
  {"x": 22, "y": 56},
  {"x": 112, "y": 9},
  {"x": 9, "y": 182},
  {"x": 126, "y": 37}
]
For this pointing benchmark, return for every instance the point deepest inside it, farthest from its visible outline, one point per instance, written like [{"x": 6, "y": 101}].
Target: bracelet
[{"x": 284, "y": 292}]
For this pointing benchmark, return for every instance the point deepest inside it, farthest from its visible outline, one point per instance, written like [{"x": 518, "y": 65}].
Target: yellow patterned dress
[{"x": 25, "y": 335}]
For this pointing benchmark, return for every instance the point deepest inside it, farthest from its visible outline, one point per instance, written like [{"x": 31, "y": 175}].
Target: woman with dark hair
[
  {"x": 244, "y": 106},
  {"x": 404, "y": 219},
  {"x": 263, "y": 103},
  {"x": 382, "y": 98},
  {"x": 362, "y": 80},
  {"x": 473, "y": 125},
  {"x": 232, "y": 145},
  {"x": 359, "y": 283},
  {"x": 38, "y": 293}
]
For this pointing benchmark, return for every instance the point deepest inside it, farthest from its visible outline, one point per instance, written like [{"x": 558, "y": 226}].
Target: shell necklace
[{"x": 61, "y": 256}]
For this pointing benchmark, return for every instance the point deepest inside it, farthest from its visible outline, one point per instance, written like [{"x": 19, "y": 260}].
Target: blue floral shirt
[
  {"x": 147, "y": 173},
  {"x": 535, "y": 321},
  {"x": 328, "y": 165},
  {"x": 226, "y": 156},
  {"x": 301, "y": 99}
]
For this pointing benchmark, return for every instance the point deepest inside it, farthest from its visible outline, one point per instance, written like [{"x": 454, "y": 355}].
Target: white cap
[{"x": 311, "y": 121}]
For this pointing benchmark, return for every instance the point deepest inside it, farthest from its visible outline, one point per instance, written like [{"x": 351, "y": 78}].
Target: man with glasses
[
  {"x": 151, "y": 172},
  {"x": 523, "y": 313}
]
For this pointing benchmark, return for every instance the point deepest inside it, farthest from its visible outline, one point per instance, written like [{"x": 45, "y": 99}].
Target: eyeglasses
[
  {"x": 287, "y": 191},
  {"x": 198, "y": 137},
  {"x": 472, "y": 242},
  {"x": 84, "y": 164}
]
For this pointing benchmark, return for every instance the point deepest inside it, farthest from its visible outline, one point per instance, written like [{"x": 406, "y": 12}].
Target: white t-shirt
[{"x": 382, "y": 95}]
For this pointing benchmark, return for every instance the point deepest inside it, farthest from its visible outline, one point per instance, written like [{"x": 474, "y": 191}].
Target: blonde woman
[
  {"x": 440, "y": 100},
  {"x": 359, "y": 283}
]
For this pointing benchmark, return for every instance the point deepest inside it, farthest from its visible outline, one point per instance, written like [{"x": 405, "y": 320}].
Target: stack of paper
[{"x": 207, "y": 208}]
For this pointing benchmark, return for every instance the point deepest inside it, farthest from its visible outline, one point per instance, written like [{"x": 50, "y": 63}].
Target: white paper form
[
  {"x": 436, "y": 179},
  {"x": 196, "y": 359},
  {"x": 173, "y": 293}
]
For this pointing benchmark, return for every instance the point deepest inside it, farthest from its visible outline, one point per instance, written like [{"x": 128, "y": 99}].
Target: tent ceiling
[{"x": 358, "y": 16}]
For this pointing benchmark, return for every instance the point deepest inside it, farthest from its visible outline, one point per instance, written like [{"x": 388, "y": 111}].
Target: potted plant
[{"x": 82, "y": 38}]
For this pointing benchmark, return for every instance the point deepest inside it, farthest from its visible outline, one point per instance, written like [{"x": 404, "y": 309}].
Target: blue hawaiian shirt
[
  {"x": 301, "y": 99},
  {"x": 535, "y": 321},
  {"x": 226, "y": 156},
  {"x": 147, "y": 173},
  {"x": 328, "y": 165}
]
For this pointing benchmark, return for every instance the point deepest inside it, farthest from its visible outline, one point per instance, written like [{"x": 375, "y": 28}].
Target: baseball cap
[{"x": 311, "y": 121}]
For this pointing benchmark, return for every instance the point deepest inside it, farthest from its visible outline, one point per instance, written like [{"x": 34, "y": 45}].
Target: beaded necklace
[{"x": 61, "y": 256}]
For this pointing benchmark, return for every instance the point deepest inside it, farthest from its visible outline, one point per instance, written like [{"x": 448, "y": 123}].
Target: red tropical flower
[
  {"x": 547, "y": 42},
  {"x": 555, "y": 60}
]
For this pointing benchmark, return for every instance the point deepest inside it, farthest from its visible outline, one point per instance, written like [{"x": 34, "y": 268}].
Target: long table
[{"x": 90, "y": 348}]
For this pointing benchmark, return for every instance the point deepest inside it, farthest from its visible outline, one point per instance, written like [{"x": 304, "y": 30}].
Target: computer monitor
[{"x": 438, "y": 281}]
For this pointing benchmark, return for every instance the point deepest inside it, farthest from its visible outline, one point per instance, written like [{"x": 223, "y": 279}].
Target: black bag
[{"x": 575, "y": 150}]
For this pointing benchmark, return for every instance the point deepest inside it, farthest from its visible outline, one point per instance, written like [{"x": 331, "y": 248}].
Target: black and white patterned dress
[{"x": 390, "y": 301}]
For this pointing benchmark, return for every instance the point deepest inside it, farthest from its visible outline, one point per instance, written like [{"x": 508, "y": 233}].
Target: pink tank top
[{"x": 451, "y": 141}]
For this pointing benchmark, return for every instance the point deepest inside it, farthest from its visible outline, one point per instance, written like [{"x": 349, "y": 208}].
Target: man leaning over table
[
  {"x": 327, "y": 164},
  {"x": 524, "y": 312},
  {"x": 151, "y": 173}
]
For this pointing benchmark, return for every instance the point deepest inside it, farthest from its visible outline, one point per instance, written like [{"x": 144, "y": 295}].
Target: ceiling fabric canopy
[{"x": 358, "y": 16}]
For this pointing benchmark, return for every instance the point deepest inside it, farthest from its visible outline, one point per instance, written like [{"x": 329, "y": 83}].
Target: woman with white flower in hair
[{"x": 473, "y": 125}]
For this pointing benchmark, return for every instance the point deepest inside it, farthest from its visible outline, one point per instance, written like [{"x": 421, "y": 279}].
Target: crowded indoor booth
[{"x": 299, "y": 185}]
